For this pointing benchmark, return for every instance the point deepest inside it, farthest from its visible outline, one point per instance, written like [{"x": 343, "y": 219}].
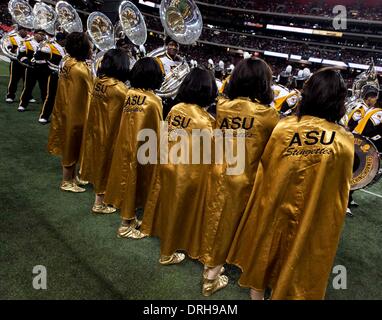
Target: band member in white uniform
[
  {"x": 170, "y": 60},
  {"x": 16, "y": 69}
]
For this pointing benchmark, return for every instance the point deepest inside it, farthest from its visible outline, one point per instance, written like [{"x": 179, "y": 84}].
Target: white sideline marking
[
  {"x": 4, "y": 58},
  {"x": 374, "y": 194}
]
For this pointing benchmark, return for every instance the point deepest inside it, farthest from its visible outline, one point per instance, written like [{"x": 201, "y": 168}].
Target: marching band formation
[{"x": 306, "y": 145}]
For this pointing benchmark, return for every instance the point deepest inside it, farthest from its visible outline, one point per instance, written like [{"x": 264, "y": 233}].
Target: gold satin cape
[
  {"x": 129, "y": 182},
  {"x": 175, "y": 208},
  {"x": 74, "y": 88},
  {"x": 288, "y": 236},
  {"x": 101, "y": 130},
  {"x": 228, "y": 195}
]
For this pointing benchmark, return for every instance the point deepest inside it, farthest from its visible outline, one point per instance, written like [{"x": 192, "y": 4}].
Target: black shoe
[
  {"x": 21, "y": 109},
  {"x": 353, "y": 204},
  {"x": 349, "y": 213}
]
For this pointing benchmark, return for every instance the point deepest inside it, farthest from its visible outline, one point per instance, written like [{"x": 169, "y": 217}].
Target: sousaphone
[
  {"x": 22, "y": 15},
  {"x": 104, "y": 35},
  {"x": 101, "y": 33},
  {"x": 44, "y": 17},
  {"x": 183, "y": 22},
  {"x": 68, "y": 17}
]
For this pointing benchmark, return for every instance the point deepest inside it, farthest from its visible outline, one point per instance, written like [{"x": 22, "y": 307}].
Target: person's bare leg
[
  {"x": 68, "y": 172},
  {"x": 257, "y": 295},
  {"x": 213, "y": 280},
  {"x": 99, "y": 199},
  {"x": 68, "y": 183},
  {"x": 213, "y": 273}
]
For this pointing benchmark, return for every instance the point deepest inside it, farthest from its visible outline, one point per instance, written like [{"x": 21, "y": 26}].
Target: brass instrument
[
  {"x": 68, "y": 17},
  {"x": 367, "y": 163},
  {"x": 183, "y": 22},
  {"x": 44, "y": 17},
  {"x": 132, "y": 23},
  {"x": 22, "y": 14}
]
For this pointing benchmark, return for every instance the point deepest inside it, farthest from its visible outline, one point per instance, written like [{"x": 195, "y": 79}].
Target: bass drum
[{"x": 367, "y": 163}]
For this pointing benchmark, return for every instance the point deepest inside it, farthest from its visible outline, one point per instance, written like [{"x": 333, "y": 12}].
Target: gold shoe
[
  {"x": 211, "y": 286},
  {"x": 71, "y": 186},
  {"x": 129, "y": 232},
  {"x": 206, "y": 270},
  {"x": 81, "y": 182},
  {"x": 173, "y": 259},
  {"x": 103, "y": 208}
]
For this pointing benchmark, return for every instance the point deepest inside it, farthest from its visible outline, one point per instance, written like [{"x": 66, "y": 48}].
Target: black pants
[
  {"x": 16, "y": 73},
  {"x": 48, "y": 105},
  {"x": 32, "y": 76}
]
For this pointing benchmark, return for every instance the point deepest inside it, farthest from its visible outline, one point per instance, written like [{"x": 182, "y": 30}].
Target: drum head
[{"x": 366, "y": 163}]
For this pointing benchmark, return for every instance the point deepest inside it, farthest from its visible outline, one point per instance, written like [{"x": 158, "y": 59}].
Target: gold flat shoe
[
  {"x": 173, "y": 259},
  {"x": 81, "y": 182},
  {"x": 129, "y": 232},
  {"x": 71, "y": 186},
  {"x": 206, "y": 270},
  {"x": 211, "y": 286},
  {"x": 103, "y": 209}
]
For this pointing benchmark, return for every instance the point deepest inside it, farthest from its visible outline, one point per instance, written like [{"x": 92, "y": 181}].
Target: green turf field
[{"x": 40, "y": 225}]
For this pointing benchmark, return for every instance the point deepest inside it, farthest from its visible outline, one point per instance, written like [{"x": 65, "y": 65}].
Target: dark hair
[
  {"x": 60, "y": 36},
  {"x": 146, "y": 74},
  {"x": 198, "y": 87},
  {"x": 78, "y": 45},
  {"x": 323, "y": 96},
  {"x": 115, "y": 64},
  {"x": 168, "y": 39},
  {"x": 251, "y": 78},
  {"x": 122, "y": 41}
]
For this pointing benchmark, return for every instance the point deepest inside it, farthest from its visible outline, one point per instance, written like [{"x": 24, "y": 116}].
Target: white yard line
[{"x": 372, "y": 193}]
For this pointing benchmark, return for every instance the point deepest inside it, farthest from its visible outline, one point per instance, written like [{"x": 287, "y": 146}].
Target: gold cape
[
  {"x": 288, "y": 236},
  {"x": 74, "y": 88},
  {"x": 228, "y": 195},
  {"x": 101, "y": 130},
  {"x": 174, "y": 210},
  {"x": 129, "y": 182}
]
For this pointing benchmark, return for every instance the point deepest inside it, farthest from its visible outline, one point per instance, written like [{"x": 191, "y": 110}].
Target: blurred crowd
[
  {"x": 255, "y": 43},
  {"x": 357, "y": 11}
]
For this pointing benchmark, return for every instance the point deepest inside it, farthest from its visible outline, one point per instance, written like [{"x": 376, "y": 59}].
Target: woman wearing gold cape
[
  {"x": 102, "y": 125},
  {"x": 248, "y": 109},
  {"x": 70, "y": 109},
  {"x": 288, "y": 236},
  {"x": 176, "y": 205},
  {"x": 130, "y": 182}
]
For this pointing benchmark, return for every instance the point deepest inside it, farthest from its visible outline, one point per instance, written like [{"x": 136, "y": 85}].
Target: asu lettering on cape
[
  {"x": 99, "y": 87},
  {"x": 311, "y": 143},
  {"x": 237, "y": 123},
  {"x": 135, "y": 100},
  {"x": 134, "y": 103},
  {"x": 179, "y": 121},
  {"x": 65, "y": 71}
]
